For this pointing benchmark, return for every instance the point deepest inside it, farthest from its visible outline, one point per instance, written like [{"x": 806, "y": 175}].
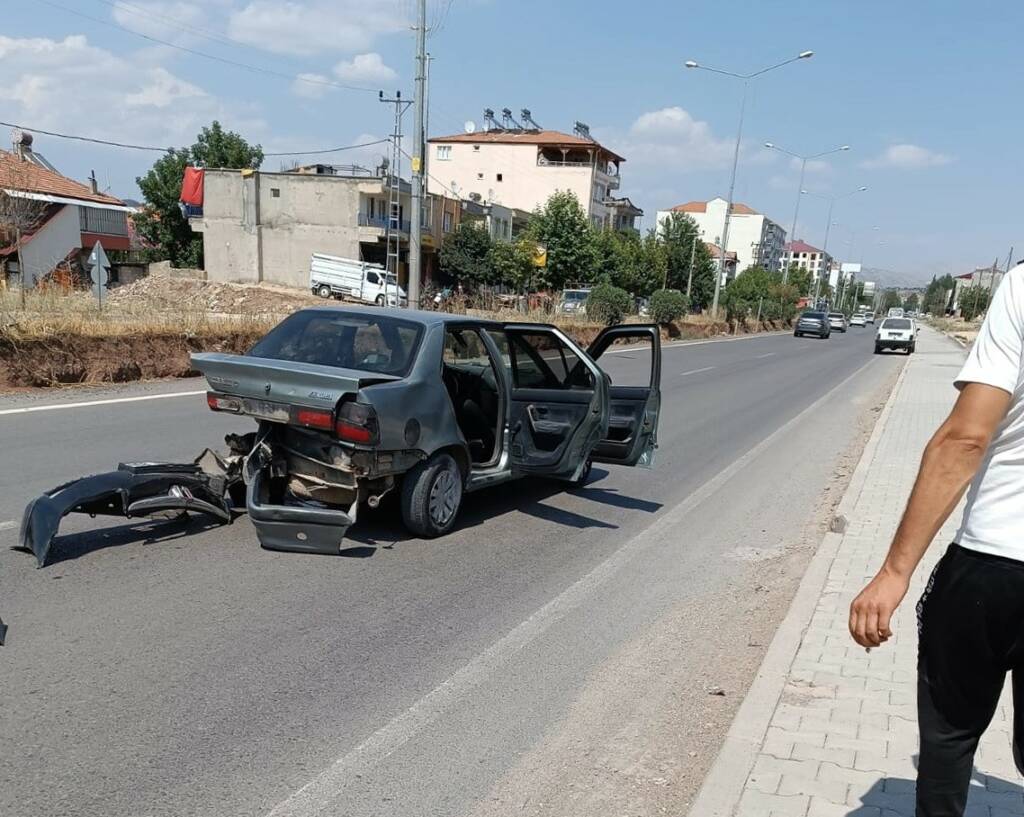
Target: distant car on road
[
  {"x": 574, "y": 301},
  {"x": 812, "y": 323},
  {"x": 869, "y": 317},
  {"x": 858, "y": 320},
  {"x": 837, "y": 320},
  {"x": 896, "y": 333}
]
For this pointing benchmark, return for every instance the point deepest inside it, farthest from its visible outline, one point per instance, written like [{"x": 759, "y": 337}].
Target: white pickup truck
[{"x": 333, "y": 277}]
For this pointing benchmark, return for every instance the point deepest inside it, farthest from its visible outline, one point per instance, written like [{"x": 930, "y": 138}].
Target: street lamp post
[
  {"x": 828, "y": 224},
  {"x": 803, "y": 169},
  {"x": 745, "y": 78}
]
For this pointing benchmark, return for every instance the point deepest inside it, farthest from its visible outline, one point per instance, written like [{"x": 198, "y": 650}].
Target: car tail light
[
  {"x": 356, "y": 423},
  {"x": 219, "y": 402},
  {"x": 313, "y": 418}
]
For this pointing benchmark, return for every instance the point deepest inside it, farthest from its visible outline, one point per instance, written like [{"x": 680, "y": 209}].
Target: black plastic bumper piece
[{"x": 132, "y": 490}]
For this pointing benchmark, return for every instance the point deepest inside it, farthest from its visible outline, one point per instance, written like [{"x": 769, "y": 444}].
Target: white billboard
[
  {"x": 850, "y": 269},
  {"x": 869, "y": 289}
]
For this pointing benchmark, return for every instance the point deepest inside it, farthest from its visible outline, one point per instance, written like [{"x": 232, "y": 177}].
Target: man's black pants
[{"x": 971, "y": 626}]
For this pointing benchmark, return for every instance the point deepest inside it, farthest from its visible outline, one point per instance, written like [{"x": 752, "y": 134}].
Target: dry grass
[{"x": 53, "y": 313}]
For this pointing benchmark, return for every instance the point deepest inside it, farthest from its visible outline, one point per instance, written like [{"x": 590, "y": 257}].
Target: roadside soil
[{"x": 643, "y": 733}]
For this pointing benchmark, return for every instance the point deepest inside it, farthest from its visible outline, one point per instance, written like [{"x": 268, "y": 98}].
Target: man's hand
[{"x": 872, "y": 610}]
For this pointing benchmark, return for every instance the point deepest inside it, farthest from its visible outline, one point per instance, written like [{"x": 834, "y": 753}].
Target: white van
[{"x": 334, "y": 277}]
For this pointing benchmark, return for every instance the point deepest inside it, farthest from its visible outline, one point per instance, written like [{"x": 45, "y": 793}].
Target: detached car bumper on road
[{"x": 352, "y": 404}]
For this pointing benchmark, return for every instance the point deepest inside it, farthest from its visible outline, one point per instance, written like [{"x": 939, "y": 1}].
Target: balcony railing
[{"x": 366, "y": 220}]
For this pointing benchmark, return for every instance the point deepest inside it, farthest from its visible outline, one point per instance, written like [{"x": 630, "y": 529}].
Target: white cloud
[
  {"x": 160, "y": 19},
  {"x": 672, "y": 135},
  {"x": 317, "y": 26},
  {"x": 908, "y": 157},
  {"x": 311, "y": 86},
  {"x": 72, "y": 86},
  {"x": 813, "y": 165},
  {"x": 365, "y": 68}
]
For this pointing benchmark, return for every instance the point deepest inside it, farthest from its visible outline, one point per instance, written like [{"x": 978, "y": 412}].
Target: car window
[
  {"x": 817, "y": 315},
  {"x": 896, "y": 323},
  {"x": 372, "y": 278},
  {"x": 349, "y": 340},
  {"x": 464, "y": 347},
  {"x": 540, "y": 360}
]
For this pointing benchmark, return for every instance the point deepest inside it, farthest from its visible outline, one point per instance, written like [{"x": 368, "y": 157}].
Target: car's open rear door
[{"x": 630, "y": 355}]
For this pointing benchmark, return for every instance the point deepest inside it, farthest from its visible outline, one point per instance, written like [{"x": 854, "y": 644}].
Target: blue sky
[{"x": 926, "y": 93}]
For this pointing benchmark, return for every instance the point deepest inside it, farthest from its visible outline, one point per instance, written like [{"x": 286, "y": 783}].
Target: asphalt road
[{"x": 170, "y": 669}]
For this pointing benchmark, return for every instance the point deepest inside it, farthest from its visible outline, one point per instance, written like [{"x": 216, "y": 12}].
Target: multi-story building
[
  {"x": 261, "y": 226},
  {"x": 818, "y": 262},
  {"x": 521, "y": 168},
  {"x": 753, "y": 237}
]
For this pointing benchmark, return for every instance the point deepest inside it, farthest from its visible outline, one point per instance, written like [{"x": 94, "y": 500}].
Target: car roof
[{"x": 419, "y": 316}]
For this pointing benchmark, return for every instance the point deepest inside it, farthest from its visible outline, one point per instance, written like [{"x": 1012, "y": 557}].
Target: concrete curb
[{"x": 724, "y": 784}]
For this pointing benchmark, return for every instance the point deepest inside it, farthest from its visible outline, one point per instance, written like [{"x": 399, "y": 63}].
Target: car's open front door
[
  {"x": 558, "y": 404},
  {"x": 630, "y": 355}
]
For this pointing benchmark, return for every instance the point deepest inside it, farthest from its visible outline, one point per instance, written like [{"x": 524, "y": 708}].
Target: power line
[
  {"x": 224, "y": 60},
  {"x": 153, "y": 148},
  {"x": 149, "y": 13}
]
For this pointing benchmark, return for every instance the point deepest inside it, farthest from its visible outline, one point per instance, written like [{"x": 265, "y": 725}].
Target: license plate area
[{"x": 265, "y": 410}]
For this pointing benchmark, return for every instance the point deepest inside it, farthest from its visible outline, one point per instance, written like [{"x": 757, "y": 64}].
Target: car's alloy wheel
[{"x": 432, "y": 496}]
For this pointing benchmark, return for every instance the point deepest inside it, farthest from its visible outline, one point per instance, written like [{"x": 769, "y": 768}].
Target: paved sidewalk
[{"x": 827, "y": 729}]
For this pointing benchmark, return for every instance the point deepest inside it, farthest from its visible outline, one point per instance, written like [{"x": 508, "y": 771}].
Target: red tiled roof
[
  {"x": 546, "y": 138},
  {"x": 28, "y": 177},
  {"x": 738, "y": 208},
  {"x": 716, "y": 251},
  {"x": 799, "y": 246}
]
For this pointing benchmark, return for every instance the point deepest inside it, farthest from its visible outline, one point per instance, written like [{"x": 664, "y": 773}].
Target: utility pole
[
  {"x": 416, "y": 228},
  {"x": 689, "y": 276}
]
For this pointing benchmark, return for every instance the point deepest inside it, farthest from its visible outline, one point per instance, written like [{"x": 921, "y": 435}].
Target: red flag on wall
[{"x": 192, "y": 187}]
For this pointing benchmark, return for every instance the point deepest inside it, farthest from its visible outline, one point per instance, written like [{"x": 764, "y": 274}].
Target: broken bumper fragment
[
  {"x": 132, "y": 490},
  {"x": 301, "y": 527}
]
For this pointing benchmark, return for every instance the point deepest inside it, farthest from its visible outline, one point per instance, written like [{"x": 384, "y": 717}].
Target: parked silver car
[{"x": 353, "y": 403}]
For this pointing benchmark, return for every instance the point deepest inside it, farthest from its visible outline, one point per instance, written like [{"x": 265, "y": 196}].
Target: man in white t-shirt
[{"x": 971, "y": 616}]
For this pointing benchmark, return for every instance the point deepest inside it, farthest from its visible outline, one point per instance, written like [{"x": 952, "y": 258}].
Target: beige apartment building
[{"x": 521, "y": 169}]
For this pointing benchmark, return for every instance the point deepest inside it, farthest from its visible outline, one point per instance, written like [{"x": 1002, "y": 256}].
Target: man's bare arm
[{"x": 951, "y": 459}]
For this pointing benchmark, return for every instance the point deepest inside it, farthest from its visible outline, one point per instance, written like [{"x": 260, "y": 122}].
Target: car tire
[
  {"x": 912, "y": 348},
  {"x": 324, "y": 291},
  {"x": 431, "y": 496},
  {"x": 878, "y": 349},
  {"x": 380, "y": 300},
  {"x": 798, "y": 334}
]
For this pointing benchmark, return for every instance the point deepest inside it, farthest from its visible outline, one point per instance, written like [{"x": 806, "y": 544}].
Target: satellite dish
[{"x": 470, "y": 126}]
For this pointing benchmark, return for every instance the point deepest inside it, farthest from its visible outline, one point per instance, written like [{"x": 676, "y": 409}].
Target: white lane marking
[
  {"x": 697, "y": 371},
  {"x": 317, "y": 796},
  {"x": 767, "y": 355},
  {"x": 112, "y": 400},
  {"x": 8, "y": 525},
  {"x": 682, "y": 344}
]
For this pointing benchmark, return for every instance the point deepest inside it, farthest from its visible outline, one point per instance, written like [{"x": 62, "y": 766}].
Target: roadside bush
[
  {"x": 608, "y": 304},
  {"x": 668, "y": 305}
]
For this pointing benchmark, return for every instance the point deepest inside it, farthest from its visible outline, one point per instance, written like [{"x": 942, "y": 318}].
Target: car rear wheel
[
  {"x": 432, "y": 496},
  {"x": 798, "y": 334},
  {"x": 323, "y": 291},
  {"x": 878, "y": 349},
  {"x": 911, "y": 348},
  {"x": 380, "y": 300}
]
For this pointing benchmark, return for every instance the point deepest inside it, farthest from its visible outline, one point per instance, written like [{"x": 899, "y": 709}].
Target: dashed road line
[
  {"x": 697, "y": 371},
  {"x": 8, "y": 525},
  {"x": 111, "y": 401},
  {"x": 758, "y": 357}
]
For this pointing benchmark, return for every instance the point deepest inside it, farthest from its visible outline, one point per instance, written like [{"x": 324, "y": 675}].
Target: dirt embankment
[{"x": 147, "y": 330}]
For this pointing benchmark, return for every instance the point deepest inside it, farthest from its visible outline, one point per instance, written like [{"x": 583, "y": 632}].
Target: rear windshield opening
[
  {"x": 345, "y": 340},
  {"x": 896, "y": 323},
  {"x": 818, "y": 315}
]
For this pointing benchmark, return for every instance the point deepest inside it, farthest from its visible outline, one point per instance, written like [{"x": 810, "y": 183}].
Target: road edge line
[{"x": 723, "y": 785}]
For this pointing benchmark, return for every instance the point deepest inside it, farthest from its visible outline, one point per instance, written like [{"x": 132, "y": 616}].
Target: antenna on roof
[
  {"x": 582, "y": 129},
  {"x": 528, "y": 121},
  {"x": 490, "y": 123},
  {"x": 507, "y": 122}
]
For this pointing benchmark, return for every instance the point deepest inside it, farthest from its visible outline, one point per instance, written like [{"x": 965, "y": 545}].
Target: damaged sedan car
[{"x": 352, "y": 404}]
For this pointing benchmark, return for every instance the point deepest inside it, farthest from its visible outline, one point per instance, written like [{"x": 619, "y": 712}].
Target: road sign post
[{"x": 99, "y": 273}]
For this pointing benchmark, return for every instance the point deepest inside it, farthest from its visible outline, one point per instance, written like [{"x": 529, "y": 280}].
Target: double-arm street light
[
  {"x": 800, "y": 188},
  {"x": 745, "y": 79},
  {"x": 828, "y": 224}
]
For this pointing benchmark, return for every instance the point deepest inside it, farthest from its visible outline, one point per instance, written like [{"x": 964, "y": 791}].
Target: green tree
[
  {"x": 681, "y": 239},
  {"x": 512, "y": 264},
  {"x": 800, "y": 277},
  {"x": 608, "y": 304},
  {"x": 912, "y": 302},
  {"x": 465, "y": 256},
  {"x": 891, "y": 300},
  {"x": 628, "y": 261},
  {"x": 161, "y": 224},
  {"x": 561, "y": 225},
  {"x": 973, "y": 302}
]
